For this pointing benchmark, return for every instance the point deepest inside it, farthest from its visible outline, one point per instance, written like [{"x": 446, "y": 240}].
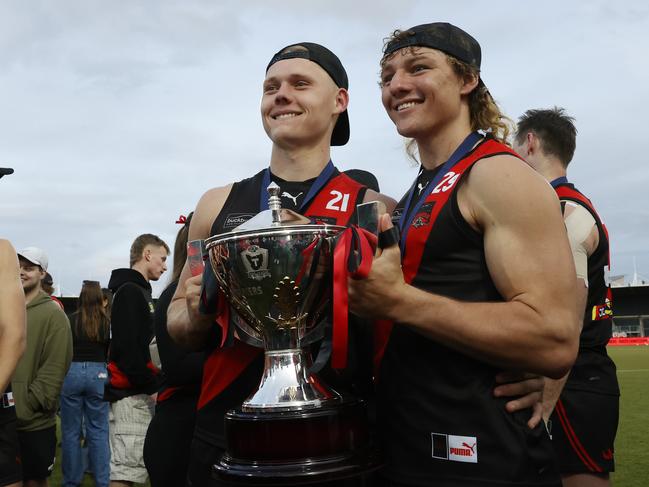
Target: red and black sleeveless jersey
[
  {"x": 440, "y": 422},
  {"x": 593, "y": 370},
  {"x": 231, "y": 374}
]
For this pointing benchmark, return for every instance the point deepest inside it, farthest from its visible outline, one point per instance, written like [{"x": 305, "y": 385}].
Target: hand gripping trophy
[{"x": 275, "y": 271}]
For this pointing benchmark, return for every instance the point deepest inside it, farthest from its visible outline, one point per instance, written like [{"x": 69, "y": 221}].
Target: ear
[
  {"x": 531, "y": 143},
  {"x": 469, "y": 83},
  {"x": 147, "y": 254},
  {"x": 342, "y": 100}
]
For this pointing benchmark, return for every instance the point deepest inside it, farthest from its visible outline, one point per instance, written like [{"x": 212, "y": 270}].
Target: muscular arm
[
  {"x": 184, "y": 322},
  {"x": 527, "y": 253},
  {"x": 12, "y": 314},
  {"x": 583, "y": 238}
]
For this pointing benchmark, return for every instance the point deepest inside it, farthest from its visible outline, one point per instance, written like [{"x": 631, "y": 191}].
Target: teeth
[
  {"x": 285, "y": 115},
  {"x": 403, "y": 106}
]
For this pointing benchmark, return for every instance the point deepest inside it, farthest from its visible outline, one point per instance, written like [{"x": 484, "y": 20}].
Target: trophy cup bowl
[
  {"x": 275, "y": 272},
  {"x": 278, "y": 281}
]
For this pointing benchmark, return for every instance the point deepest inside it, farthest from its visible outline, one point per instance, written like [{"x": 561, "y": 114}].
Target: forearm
[
  {"x": 44, "y": 390},
  {"x": 190, "y": 334},
  {"x": 551, "y": 393},
  {"x": 511, "y": 335}
]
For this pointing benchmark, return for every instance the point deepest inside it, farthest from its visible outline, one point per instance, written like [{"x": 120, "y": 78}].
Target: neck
[
  {"x": 299, "y": 164},
  {"x": 435, "y": 149},
  {"x": 141, "y": 268},
  {"x": 31, "y": 294},
  {"x": 550, "y": 169}
]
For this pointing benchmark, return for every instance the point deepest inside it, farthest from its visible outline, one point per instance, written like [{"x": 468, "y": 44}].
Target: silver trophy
[{"x": 275, "y": 271}]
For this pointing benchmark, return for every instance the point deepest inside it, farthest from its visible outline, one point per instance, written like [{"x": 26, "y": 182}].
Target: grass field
[{"x": 632, "y": 444}]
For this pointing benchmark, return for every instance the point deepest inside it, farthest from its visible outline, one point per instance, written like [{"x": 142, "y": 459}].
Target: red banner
[{"x": 627, "y": 342}]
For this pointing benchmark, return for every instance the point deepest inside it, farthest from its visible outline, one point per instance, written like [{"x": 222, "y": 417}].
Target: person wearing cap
[
  {"x": 39, "y": 376},
  {"x": 482, "y": 279},
  {"x": 582, "y": 408},
  {"x": 12, "y": 346},
  {"x": 304, "y": 113}
]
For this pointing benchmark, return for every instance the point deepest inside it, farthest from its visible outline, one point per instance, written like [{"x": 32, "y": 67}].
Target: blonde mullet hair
[{"x": 484, "y": 113}]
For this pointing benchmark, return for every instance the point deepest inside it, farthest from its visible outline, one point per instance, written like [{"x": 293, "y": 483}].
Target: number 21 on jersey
[{"x": 339, "y": 201}]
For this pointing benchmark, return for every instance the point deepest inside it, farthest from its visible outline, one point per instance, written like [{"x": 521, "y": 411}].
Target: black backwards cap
[
  {"x": 442, "y": 36},
  {"x": 328, "y": 61}
]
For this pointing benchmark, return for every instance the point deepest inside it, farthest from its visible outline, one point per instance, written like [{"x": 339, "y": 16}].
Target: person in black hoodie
[
  {"x": 169, "y": 437},
  {"x": 133, "y": 379}
]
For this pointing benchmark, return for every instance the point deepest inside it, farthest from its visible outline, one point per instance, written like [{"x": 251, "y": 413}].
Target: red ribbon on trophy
[{"x": 353, "y": 257}]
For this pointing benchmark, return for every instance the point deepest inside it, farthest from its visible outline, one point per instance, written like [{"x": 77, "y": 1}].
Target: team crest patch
[
  {"x": 455, "y": 448},
  {"x": 422, "y": 217},
  {"x": 255, "y": 260},
  {"x": 235, "y": 219},
  {"x": 602, "y": 311}
]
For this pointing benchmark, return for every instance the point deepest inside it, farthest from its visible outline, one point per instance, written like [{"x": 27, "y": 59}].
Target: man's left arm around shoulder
[
  {"x": 55, "y": 361},
  {"x": 535, "y": 328}
]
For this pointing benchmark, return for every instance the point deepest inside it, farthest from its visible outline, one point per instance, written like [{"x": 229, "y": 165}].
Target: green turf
[{"x": 632, "y": 443}]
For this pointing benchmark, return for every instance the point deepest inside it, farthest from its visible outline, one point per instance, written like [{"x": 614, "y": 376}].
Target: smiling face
[
  {"x": 422, "y": 93},
  {"x": 30, "y": 275},
  {"x": 300, "y": 103}
]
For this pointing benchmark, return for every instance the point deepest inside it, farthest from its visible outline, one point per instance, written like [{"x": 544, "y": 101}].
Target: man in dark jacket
[{"x": 133, "y": 378}]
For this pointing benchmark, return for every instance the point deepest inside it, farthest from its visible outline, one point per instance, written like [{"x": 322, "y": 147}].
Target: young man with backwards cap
[
  {"x": 584, "y": 421},
  {"x": 304, "y": 112},
  {"x": 482, "y": 280},
  {"x": 38, "y": 379}
]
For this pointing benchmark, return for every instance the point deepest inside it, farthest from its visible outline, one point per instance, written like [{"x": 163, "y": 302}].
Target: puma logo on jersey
[
  {"x": 455, "y": 448},
  {"x": 421, "y": 187},
  {"x": 286, "y": 194}
]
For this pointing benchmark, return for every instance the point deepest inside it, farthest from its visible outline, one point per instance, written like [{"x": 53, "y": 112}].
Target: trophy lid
[
  {"x": 275, "y": 216},
  {"x": 274, "y": 219}
]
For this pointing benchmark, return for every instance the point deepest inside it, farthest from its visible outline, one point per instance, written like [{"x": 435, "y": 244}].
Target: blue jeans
[{"x": 82, "y": 396}]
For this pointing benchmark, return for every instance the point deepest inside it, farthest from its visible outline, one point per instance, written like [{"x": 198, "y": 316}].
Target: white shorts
[{"x": 129, "y": 420}]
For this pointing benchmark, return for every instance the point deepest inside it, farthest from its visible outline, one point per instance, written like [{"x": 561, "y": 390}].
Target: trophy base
[{"x": 297, "y": 447}]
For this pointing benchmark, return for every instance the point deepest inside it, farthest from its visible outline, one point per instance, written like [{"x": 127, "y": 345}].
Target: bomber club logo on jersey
[
  {"x": 602, "y": 311},
  {"x": 455, "y": 448},
  {"x": 255, "y": 260},
  {"x": 422, "y": 217}
]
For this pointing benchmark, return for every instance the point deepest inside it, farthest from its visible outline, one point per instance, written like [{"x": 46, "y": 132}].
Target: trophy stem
[{"x": 286, "y": 384}]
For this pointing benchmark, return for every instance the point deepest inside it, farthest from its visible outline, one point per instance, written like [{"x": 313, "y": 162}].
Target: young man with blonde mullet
[{"x": 482, "y": 280}]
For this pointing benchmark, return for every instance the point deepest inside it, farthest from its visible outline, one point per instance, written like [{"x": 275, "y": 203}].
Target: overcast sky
[{"x": 117, "y": 115}]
